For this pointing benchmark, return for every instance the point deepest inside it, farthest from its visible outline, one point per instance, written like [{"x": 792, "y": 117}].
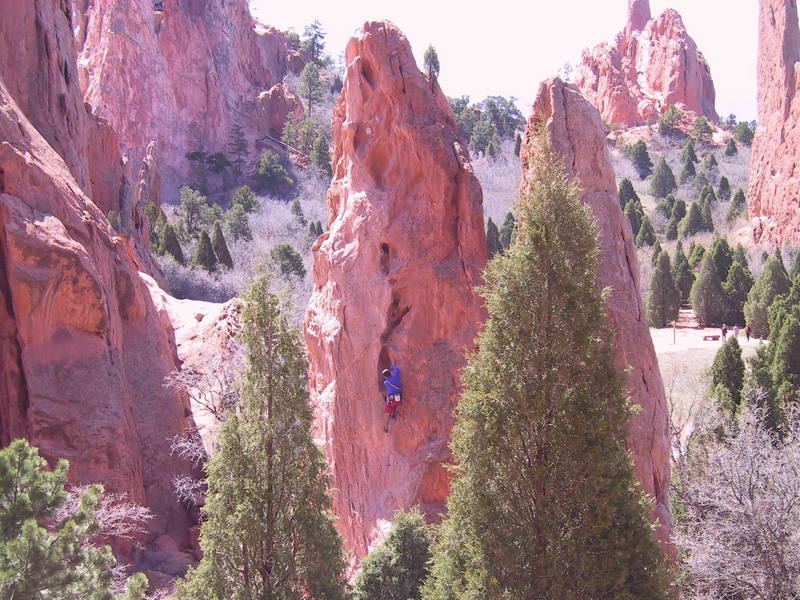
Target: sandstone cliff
[
  {"x": 652, "y": 64},
  {"x": 774, "y": 195},
  {"x": 83, "y": 349},
  {"x": 394, "y": 284},
  {"x": 575, "y": 129},
  {"x": 181, "y": 76}
]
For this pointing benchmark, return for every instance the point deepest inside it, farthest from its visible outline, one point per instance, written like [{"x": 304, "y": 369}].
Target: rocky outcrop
[
  {"x": 182, "y": 76},
  {"x": 83, "y": 349},
  {"x": 652, "y": 64},
  {"x": 394, "y": 282},
  {"x": 574, "y": 128},
  {"x": 774, "y": 194}
]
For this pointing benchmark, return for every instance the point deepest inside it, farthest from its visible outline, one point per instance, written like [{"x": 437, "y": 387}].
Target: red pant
[{"x": 392, "y": 402}]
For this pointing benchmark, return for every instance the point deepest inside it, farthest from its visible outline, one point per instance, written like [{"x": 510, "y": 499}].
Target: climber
[{"x": 394, "y": 392}]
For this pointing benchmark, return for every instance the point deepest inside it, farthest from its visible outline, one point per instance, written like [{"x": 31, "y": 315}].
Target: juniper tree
[
  {"x": 707, "y": 296},
  {"x": 724, "y": 189},
  {"x": 722, "y": 255},
  {"x": 688, "y": 172},
  {"x": 204, "y": 253},
  {"x": 170, "y": 245},
  {"x": 246, "y": 198},
  {"x": 710, "y": 161},
  {"x": 743, "y": 134},
  {"x": 507, "y": 231},
  {"x": 645, "y": 236},
  {"x": 663, "y": 181},
  {"x": 542, "y": 400},
  {"x": 772, "y": 282},
  {"x": 634, "y": 214},
  {"x": 736, "y": 286},
  {"x": 397, "y": 568},
  {"x": 738, "y": 206},
  {"x": 665, "y": 206},
  {"x": 701, "y": 129},
  {"x": 663, "y": 298},
  {"x": 220, "y": 247},
  {"x": 297, "y": 211},
  {"x": 727, "y": 376},
  {"x": 431, "y": 62},
  {"x": 654, "y": 256},
  {"x": 288, "y": 261},
  {"x": 731, "y": 149},
  {"x": 692, "y": 223},
  {"x": 641, "y": 159},
  {"x": 705, "y": 211},
  {"x": 320, "y": 156},
  {"x": 626, "y": 193},
  {"x": 682, "y": 273},
  {"x": 696, "y": 254},
  {"x": 237, "y": 224},
  {"x": 268, "y": 530},
  {"x": 492, "y": 238},
  {"x": 687, "y": 152}
]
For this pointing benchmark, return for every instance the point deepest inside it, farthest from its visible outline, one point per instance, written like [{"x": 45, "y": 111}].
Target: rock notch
[
  {"x": 395, "y": 284},
  {"x": 774, "y": 194},
  {"x": 575, "y": 129},
  {"x": 651, "y": 65}
]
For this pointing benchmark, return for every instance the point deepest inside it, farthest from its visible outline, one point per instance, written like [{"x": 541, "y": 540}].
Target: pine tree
[
  {"x": 268, "y": 530},
  {"x": 710, "y": 162},
  {"x": 170, "y": 245},
  {"x": 663, "y": 181},
  {"x": 743, "y": 134},
  {"x": 727, "y": 376},
  {"x": 204, "y": 253},
  {"x": 731, "y": 149},
  {"x": 492, "y": 238},
  {"x": 663, "y": 298},
  {"x": 705, "y": 212},
  {"x": 654, "y": 256},
  {"x": 772, "y": 282},
  {"x": 688, "y": 172},
  {"x": 45, "y": 552},
  {"x": 397, "y": 568},
  {"x": 641, "y": 159},
  {"x": 737, "y": 285},
  {"x": 542, "y": 401},
  {"x": 785, "y": 365},
  {"x": 692, "y": 223},
  {"x": 431, "y": 62},
  {"x": 723, "y": 257},
  {"x": 665, "y": 206},
  {"x": 645, "y": 236},
  {"x": 626, "y": 193},
  {"x": 517, "y": 144},
  {"x": 320, "y": 156},
  {"x": 794, "y": 271},
  {"x": 297, "y": 211},
  {"x": 678, "y": 210},
  {"x": 738, "y": 206},
  {"x": 237, "y": 224},
  {"x": 701, "y": 129},
  {"x": 682, "y": 273},
  {"x": 724, "y": 189},
  {"x": 220, "y": 247},
  {"x": 311, "y": 88},
  {"x": 507, "y": 231},
  {"x": 246, "y": 198},
  {"x": 707, "y": 296},
  {"x": 634, "y": 214},
  {"x": 288, "y": 260},
  {"x": 687, "y": 152}
]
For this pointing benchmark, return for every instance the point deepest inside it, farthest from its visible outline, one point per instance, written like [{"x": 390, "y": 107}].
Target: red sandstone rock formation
[
  {"x": 83, "y": 351},
  {"x": 394, "y": 284},
  {"x": 575, "y": 129},
  {"x": 182, "y": 76},
  {"x": 651, "y": 65},
  {"x": 774, "y": 195}
]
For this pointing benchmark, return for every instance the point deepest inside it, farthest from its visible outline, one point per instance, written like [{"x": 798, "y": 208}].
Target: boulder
[
  {"x": 574, "y": 128},
  {"x": 394, "y": 284}
]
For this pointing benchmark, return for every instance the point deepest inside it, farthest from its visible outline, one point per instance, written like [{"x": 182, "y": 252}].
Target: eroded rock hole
[
  {"x": 2, "y": 181},
  {"x": 366, "y": 70},
  {"x": 385, "y": 258}
]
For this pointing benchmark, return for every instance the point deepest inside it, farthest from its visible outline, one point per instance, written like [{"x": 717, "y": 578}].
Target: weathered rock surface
[
  {"x": 774, "y": 194},
  {"x": 651, "y": 65},
  {"x": 181, "y": 77},
  {"x": 394, "y": 284},
  {"x": 83, "y": 349},
  {"x": 575, "y": 129}
]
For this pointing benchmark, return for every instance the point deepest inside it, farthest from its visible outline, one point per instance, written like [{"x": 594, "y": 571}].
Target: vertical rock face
[
  {"x": 575, "y": 129},
  {"x": 83, "y": 351},
  {"x": 774, "y": 196},
  {"x": 652, "y": 64},
  {"x": 182, "y": 76},
  {"x": 394, "y": 285}
]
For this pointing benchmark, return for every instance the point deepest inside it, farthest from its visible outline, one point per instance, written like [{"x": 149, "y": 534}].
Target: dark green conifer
[
  {"x": 507, "y": 231},
  {"x": 170, "y": 245},
  {"x": 682, "y": 273},
  {"x": 492, "y": 238},
  {"x": 707, "y": 296},
  {"x": 737, "y": 285},
  {"x": 204, "y": 253},
  {"x": 724, "y": 189},
  {"x": 696, "y": 254},
  {"x": 634, "y": 214},
  {"x": 692, "y": 223},
  {"x": 687, "y": 152},
  {"x": 640, "y": 159},
  {"x": 772, "y": 282},
  {"x": 663, "y": 181},
  {"x": 663, "y": 298},
  {"x": 626, "y": 193},
  {"x": 220, "y": 247},
  {"x": 738, "y": 206},
  {"x": 727, "y": 376},
  {"x": 645, "y": 236},
  {"x": 710, "y": 161},
  {"x": 297, "y": 211},
  {"x": 731, "y": 149},
  {"x": 688, "y": 172}
]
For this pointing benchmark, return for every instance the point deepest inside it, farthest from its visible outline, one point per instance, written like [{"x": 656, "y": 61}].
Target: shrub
[{"x": 724, "y": 189}]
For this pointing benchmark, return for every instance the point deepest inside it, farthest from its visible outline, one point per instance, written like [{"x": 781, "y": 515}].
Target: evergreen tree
[
  {"x": 246, "y": 198},
  {"x": 634, "y": 214},
  {"x": 743, "y": 134},
  {"x": 297, "y": 211},
  {"x": 507, "y": 231},
  {"x": 772, "y": 282},
  {"x": 271, "y": 175},
  {"x": 671, "y": 230},
  {"x": 517, "y": 144},
  {"x": 688, "y": 173},
  {"x": 397, "y": 568},
  {"x": 682, "y": 273},
  {"x": 724, "y": 189},
  {"x": 657, "y": 250},
  {"x": 707, "y": 194},
  {"x": 170, "y": 245},
  {"x": 710, "y": 161},
  {"x": 300, "y": 134},
  {"x": 313, "y": 42},
  {"x": 737, "y": 285},
  {"x": 731, "y": 149},
  {"x": 723, "y": 257},
  {"x": 204, "y": 253},
  {"x": 663, "y": 298},
  {"x": 707, "y": 296},
  {"x": 45, "y": 552},
  {"x": 641, "y": 159},
  {"x": 696, "y": 254},
  {"x": 492, "y": 238},
  {"x": 701, "y": 129},
  {"x": 705, "y": 212},
  {"x": 687, "y": 152},
  {"x": 237, "y": 224},
  {"x": 692, "y": 223},
  {"x": 740, "y": 256},
  {"x": 431, "y": 62},
  {"x": 645, "y": 236},
  {"x": 670, "y": 122},
  {"x": 663, "y": 180},
  {"x": 785, "y": 365},
  {"x": 794, "y": 271},
  {"x": 626, "y": 193},
  {"x": 220, "y": 247},
  {"x": 268, "y": 530},
  {"x": 320, "y": 156},
  {"x": 311, "y": 86},
  {"x": 191, "y": 209},
  {"x": 237, "y": 146},
  {"x": 288, "y": 260},
  {"x": 738, "y": 206},
  {"x": 542, "y": 400},
  {"x": 678, "y": 210},
  {"x": 727, "y": 376},
  {"x": 665, "y": 206}
]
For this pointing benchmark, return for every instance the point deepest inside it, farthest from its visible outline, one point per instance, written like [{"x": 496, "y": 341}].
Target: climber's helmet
[{"x": 386, "y": 373}]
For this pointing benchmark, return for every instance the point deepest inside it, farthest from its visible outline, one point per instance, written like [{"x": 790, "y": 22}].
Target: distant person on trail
[
  {"x": 724, "y": 332},
  {"x": 394, "y": 390},
  {"x": 747, "y": 332},
  {"x": 736, "y": 331}
]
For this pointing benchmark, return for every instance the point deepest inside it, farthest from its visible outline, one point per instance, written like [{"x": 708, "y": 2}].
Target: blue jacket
[{"x": 392, "y": 383}]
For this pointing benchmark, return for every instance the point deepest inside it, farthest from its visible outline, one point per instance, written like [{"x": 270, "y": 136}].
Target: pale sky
[{"x": 506, "y": 48}]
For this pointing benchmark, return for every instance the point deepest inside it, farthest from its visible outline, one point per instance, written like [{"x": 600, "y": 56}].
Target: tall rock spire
[
  {"x": 395, "y": 281},
  {"x": 638, "y": 15},
  {"x": 575, "y": 129}
]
